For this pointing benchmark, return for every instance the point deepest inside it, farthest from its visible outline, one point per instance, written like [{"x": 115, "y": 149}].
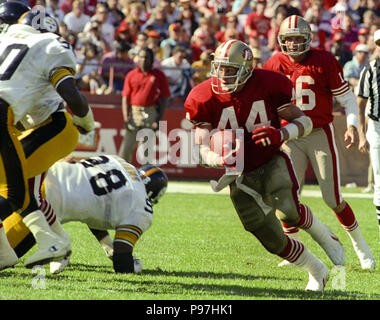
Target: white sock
[
  {"x": 4, "y": 243},
  {"x": 40, "y": 229}
]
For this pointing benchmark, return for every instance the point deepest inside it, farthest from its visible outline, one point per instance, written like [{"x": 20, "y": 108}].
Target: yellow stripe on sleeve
[{"x": 59, "y": 73}]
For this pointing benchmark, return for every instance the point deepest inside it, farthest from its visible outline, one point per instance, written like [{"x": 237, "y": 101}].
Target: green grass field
[{"x": 197, "y": 249}]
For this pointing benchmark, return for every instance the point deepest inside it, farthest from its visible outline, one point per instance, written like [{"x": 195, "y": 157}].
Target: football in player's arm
[{"x": 238, "y": 97}]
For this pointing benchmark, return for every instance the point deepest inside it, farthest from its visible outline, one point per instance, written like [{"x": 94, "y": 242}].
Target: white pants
[{"x": 373, "y": 137}]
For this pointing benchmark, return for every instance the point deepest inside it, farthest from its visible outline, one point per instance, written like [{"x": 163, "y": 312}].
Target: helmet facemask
[
  {"x": 285, "y": 49},
  {"x": 218, "y": 82}
]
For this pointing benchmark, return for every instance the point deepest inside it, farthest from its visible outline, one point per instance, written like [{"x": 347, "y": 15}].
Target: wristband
[{"x": 86, "y": 122}]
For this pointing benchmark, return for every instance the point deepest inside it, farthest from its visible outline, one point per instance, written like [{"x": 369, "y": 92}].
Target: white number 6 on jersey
[{"x": 300, "y": 93}]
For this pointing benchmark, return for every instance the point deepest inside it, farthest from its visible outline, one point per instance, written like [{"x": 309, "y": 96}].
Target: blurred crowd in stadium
[{"x": 110, "y": 33}]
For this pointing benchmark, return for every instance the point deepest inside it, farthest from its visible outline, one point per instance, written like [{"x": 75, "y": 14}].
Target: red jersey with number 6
[
  {"x": 316, "y": 80},
  {"x": 257, "y": 104}
]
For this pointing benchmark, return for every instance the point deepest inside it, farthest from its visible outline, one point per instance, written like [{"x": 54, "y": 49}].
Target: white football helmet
[
  {"x": 231, "y": 53},
  {"x": 294, "y": 26}
]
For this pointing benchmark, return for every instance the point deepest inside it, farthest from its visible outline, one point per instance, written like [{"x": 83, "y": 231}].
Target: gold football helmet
[
  {"x": 294, "y": 26},
  {"x": 231, "y": 53}
]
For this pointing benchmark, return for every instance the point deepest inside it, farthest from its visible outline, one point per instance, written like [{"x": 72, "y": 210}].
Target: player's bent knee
[
  {"x": 332, "y": 204},
  {"x": 274, "y": 245}
]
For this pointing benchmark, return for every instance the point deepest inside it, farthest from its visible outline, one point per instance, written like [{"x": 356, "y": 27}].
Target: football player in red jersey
[
  {"x": 240, "y": 97},
  {"x": 317, "y": 77}
]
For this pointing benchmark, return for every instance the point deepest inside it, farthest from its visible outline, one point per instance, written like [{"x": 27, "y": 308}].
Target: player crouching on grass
[{"x": 104, "y": 192}]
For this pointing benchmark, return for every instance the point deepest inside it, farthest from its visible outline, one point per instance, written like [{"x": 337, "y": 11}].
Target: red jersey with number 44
[
  {"x": 257, "y": 104},
  {"x": 316, "y": 80}
]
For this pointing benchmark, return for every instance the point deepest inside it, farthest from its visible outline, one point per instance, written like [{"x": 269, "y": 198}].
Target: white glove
[
  {"x": 87, "y": 122},
  {"x": 137, "y": 265}
]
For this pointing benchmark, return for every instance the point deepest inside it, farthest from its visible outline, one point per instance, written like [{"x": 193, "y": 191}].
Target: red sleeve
[
  {"x": 334, "y": 76},
  {"x": 196, "y": 109},
  {"x": 270, "y": 64},
  {"x": 126, "y": 87}
]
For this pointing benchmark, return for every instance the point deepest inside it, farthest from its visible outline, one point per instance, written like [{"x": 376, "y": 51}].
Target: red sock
[
  {"x": 347, "y": 218},
  {"x": 48, "y": 211},
  {"x": 306, "y": 220},
  {"x": 288, "y": 229},
  {"x": 292, "y": 251}
]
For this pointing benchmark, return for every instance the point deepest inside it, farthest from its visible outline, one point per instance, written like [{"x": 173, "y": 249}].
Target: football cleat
[
  {"x": 328, "y": 241},
  {"x": 363, "y": 251},
  {"x": 55, "y": 252},
  {"x": 155, "y": 181},
  {"x": 58, "y": 266},
  {"x": 285, "y": 263},
  {"x": 333, "y": 248},
  {"x": 8, "y": 259},
  {"x": 137, "y": 265},
  {"x": 318, "y": 279}
]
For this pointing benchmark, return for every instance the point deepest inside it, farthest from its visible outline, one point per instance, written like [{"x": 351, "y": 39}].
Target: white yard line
[{"x": 205, "y": 188}]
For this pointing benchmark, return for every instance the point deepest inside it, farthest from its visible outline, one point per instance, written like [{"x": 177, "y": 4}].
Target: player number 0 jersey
[{"x": 31, "y": 67}]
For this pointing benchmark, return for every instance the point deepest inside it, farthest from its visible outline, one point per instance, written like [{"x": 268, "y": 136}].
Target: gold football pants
[
  {"x": 43, "y": 146},
  {"x": 265, "y": 196}
]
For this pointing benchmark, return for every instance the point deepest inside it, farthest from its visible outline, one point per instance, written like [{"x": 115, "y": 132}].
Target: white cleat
[
  {"x": 367, "y": 261},
  {"x": 8, "y": 260},
  {"x": 334, "y": 249},
  {"x": 363, "y": 251},
  {"x": 285, "y": 263},
  {"x": 58, "y": 266},
  {"x": 317, "y": 280},
  {"x": 55, "y": 252},
  {"x": 332, "y": 246}
]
